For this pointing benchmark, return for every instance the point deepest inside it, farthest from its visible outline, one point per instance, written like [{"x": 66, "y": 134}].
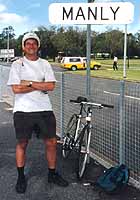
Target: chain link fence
[{"x": 115, "y": 135}]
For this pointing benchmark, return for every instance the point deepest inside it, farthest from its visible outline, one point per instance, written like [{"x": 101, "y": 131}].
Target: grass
[
  {"x": 111, "y": 74},
  {"x": 133, "y": 63},
  {"x": 106, "y": 71}
]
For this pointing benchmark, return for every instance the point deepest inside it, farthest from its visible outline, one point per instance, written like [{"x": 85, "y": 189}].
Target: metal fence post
[
  {"x": 62, "y": 106},
  {"x": 1, "y": 82},
  {"x": 122, "y": 124},
  {"x": 88, "y": 81}
]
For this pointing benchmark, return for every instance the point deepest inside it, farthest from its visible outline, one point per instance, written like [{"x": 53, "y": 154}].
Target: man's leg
[
  {"x": 51, "y": 149},
  {"x": 114, "y": 66},
  {"x": 20, "y": 152},
  {"x": 20, "y": 162}
]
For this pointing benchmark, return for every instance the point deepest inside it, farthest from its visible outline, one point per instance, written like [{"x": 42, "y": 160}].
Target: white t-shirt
[
  {"x": 39, "y": 70},
  {"x": 115, "y": 59}
]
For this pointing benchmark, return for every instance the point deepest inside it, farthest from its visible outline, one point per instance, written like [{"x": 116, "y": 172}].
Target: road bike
[{"x": 78, "y": 133}]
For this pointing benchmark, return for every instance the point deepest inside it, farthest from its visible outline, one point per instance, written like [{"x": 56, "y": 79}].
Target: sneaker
[
  {"x": 21, "y": 185},
  {"x": 57, "y": 179}
]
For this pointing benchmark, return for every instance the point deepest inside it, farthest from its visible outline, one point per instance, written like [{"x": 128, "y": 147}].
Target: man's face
[{"x": 31, "y": 47}]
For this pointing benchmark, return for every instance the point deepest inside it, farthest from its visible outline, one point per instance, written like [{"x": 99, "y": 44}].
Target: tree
[
  {"x": 6, "y": 36},
  {"x": 137, "y": 44},
  {"x": 8, "y": 30},
  {"x": 47, "y": 48},
  {"x": 72, "y": 41},
  {"x": 110, "y": 41}
]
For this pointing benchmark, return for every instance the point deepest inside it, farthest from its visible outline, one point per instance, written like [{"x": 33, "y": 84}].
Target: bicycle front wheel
[
  {"x": 69, "y": 135},
  {"x": 83, "y": 152}
]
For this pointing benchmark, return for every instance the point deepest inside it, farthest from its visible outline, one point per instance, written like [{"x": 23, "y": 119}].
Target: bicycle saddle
[{"x": 80, "y": 99}]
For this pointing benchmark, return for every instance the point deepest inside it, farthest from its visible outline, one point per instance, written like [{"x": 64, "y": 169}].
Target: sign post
[
  {"x": 88, "y": 52},
  {"x": 125, "y": 49},
  {"x": 88, "y": 85}
]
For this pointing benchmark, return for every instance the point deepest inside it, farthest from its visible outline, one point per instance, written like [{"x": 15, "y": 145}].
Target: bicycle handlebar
[
  {"x": 108, "y": 106},
  {"x": 92, "y": 104},
  {"x": 74, "y": 101}
]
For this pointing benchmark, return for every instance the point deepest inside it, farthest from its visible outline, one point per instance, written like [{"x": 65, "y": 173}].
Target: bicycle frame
[
  {"x": 78, "y": 123},
  {"x": 87, "y": 125},
  {"x": 88, "y": 119}
]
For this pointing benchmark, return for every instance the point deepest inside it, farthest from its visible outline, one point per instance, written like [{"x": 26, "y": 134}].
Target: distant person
[
  {"x": 30, "y": 78},
  {"x": 115, "y": 63}
]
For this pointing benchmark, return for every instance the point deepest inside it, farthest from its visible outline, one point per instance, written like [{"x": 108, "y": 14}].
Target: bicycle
[{"x": 78, "y": 134}]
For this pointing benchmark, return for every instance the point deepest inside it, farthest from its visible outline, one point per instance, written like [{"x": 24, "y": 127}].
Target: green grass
[
  {"x": 106, "y": 71},
  {"x": 133, "y": 63},
  {"x": 111, "y": 74}
]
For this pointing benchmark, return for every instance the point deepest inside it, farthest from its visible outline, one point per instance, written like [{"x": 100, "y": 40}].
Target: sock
[
  {"x": 51, "y": 171},
  {"x": 21, "y": 172}
]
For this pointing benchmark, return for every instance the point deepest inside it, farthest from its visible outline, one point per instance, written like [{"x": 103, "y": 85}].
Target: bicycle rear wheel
[
  {"x": 83, "y": 152},
  {"x": 68, "y": 142}
]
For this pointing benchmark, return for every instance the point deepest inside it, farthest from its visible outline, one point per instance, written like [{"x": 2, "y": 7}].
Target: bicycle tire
[
  {"x": 82, "y": 153},
  {"x": 69, "y": 136}
]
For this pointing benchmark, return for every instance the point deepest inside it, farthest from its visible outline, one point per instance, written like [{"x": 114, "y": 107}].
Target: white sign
[
  {"x": 4, "y": 53},
  {"x": 91, "y": 13}
]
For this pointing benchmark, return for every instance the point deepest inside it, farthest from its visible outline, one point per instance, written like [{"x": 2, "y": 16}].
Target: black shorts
[{"x": 26, "y": 122}]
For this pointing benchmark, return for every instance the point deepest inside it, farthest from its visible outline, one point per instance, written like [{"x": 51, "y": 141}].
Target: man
[
  {"x": 115, "y": 62},
  {"x": 30, "y": 78}
]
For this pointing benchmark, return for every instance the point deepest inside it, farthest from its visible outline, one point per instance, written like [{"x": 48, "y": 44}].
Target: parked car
[
  {"x": 75, "y": 63},
  {"x": 15, "y": 58},
  {"x": 93, "y": 64}
]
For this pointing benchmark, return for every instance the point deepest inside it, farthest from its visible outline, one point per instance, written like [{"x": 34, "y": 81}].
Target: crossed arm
[{"x": 23, "y": 87}]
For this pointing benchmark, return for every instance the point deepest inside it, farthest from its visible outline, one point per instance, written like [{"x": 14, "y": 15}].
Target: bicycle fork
[
  {"x": 88, "y": 143},
  {"x": 77, "y": 128},
  {"x": 88, "y": 134}
]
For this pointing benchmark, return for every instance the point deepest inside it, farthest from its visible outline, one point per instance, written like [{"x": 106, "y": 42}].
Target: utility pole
[
  {"x": 88, "y": 53},
  {"x": 8, "y": 44},
  {"x": 125, "y": 50}
]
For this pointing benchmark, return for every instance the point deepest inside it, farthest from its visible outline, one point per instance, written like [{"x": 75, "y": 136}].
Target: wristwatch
[{"x": 30, "y": 84}]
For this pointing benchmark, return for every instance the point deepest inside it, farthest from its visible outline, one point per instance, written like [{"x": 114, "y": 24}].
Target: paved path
[{"x": 36, "y": 171}]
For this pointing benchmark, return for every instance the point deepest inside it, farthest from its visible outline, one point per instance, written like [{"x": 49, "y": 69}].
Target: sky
[{"x": 27, "y": 15}]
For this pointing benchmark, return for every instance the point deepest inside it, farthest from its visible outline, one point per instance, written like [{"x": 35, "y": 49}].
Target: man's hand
[
  {"x": 42, "y": 86},
  {"x": 25, "y": 82}
]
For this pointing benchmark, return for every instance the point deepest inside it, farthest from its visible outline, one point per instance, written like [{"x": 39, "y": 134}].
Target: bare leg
[
  {"x": 50, "y": 150},
  {"x": 20, "y": 152}
]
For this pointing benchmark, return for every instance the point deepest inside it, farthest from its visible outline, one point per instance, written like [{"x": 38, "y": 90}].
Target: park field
[{"x": 106, "y": 70}]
